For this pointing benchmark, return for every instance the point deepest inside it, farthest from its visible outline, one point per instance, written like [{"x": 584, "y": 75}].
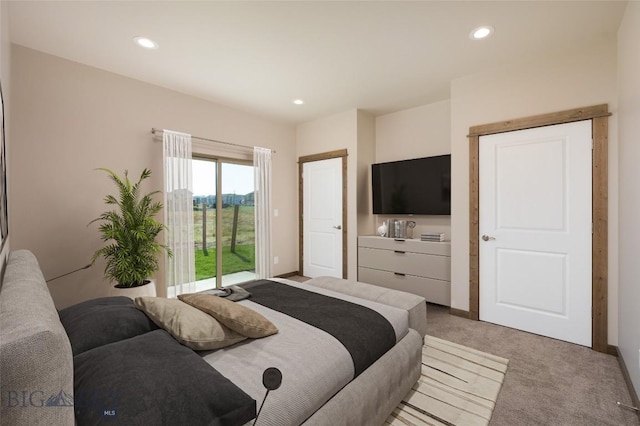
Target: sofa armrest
[
  {"x": 36, "y": 364},
  {"x": 414, "y": 304}
]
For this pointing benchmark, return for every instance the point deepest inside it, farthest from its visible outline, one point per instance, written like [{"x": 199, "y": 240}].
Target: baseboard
[
  {"x": 288, "y": 274},
  {"x": 627, "y": 379},
  {"x": 459, "y": 312},
  {"x": 612, "y": 350}
]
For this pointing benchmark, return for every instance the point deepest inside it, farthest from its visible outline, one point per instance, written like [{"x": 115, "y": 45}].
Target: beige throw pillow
[
  {"x": 237, "y": 317},
  {"x": 188, "y": 325}
]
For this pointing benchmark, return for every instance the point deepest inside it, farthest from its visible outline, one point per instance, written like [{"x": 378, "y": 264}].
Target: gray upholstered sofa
[
  {"x": 37, "y": 371},
  {"x": 36, "y": 365}
]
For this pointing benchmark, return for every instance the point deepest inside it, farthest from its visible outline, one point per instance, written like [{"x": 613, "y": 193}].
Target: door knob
[
  {"x": 338, "y": 227},
  {"x": 485, "y": 237}
]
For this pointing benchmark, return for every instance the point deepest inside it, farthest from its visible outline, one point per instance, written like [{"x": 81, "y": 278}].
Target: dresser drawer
[
  {"x": 422, "y": 265},
  {"x": 434, "y": 291},
  {"x": 412, "y": 245}
]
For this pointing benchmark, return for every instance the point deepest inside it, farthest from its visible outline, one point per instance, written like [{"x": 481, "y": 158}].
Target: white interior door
[
  {"x": 535, "y": 230},
  {"x": 322, "y": 218}
]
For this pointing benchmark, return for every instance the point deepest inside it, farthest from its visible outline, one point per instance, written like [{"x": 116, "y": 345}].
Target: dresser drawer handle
[
  {"x": 399, "y": 252},
  {"x": 400, "y": 240},
  {"x": 399, "y": 274}
]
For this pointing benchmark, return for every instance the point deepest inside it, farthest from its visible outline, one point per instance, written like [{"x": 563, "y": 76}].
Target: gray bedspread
[{"x": 314, "y": 364}]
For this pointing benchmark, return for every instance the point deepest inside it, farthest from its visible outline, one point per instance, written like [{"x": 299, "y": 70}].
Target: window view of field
[
  {"x": 237, "y": 235},
  {"x": 243, "y": 259}
]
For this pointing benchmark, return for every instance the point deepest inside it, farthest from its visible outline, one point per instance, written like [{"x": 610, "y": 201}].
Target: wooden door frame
[
  {"x": 341, "y": 153},
  {"x": 599, "y": 114}
]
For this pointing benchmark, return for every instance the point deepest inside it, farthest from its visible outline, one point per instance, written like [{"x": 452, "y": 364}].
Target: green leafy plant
[{"x": 130, "y": 231}]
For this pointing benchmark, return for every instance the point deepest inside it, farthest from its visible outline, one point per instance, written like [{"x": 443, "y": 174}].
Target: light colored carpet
[
  {"x": 458, "y": 386},
  {"x": 549, "y": 382}
]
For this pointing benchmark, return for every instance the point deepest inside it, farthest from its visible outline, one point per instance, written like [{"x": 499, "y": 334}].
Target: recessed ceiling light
[
  {"x": 481, "y": 32},
  {"x": 298, "y": 101},
  {"x": 147, "y": 43}
]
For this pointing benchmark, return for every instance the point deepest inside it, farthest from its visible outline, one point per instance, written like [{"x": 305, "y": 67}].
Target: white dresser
[{"x": 414, "y": 266}]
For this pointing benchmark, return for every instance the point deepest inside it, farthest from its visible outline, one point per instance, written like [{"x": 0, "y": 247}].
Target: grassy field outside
[{"x": 242, "y": 260}]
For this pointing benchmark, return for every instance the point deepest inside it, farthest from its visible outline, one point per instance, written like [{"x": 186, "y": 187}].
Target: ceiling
[{"x": 379, "y": 56}]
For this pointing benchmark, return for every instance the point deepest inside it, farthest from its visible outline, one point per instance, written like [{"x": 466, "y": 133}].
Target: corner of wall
[
  {"x": 628, "y": 68},
  {"x": 366, "y": 155}
]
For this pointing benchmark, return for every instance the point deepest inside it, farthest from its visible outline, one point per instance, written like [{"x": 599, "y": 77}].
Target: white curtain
[
  {"x": 178, "y": 212},
  {"x": 262, "y": 173}
]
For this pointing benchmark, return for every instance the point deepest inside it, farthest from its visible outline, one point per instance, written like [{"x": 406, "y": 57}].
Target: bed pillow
[
  {"x": 188, "y": 325},
  {"x": 152, "y": 379},
  {"x": 237, "y": 317},
  {"x": 98, "y": 322}
]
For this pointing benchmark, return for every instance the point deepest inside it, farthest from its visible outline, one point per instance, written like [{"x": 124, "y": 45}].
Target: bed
[{"x": 326, "y": 380}]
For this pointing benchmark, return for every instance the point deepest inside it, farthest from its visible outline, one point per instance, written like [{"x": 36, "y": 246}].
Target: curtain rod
[{"x": 160, "y": 131}]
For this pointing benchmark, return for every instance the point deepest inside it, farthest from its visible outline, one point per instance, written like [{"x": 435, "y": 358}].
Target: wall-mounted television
[{"x": 418, "y": 186}]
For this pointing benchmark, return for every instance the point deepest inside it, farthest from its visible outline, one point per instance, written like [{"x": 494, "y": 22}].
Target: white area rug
[{"x": 459, "y": 386}]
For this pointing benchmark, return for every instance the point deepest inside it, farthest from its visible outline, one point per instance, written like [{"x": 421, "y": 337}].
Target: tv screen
[{"x": 418, "y": 186}]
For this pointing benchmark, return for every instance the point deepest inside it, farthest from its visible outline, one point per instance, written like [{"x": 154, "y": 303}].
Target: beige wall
[
  {"x": 584, "y": 77},
  {"x": 366, "y": 156},
  {"x": 629, "y": 122},
  {"x": 5, "y": 79},
  {"x": 68, "y": 119},
  {"x": 413, "y": 133}
]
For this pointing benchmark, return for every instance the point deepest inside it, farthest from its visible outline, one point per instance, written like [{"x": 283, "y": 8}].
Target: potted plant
[{"x": 130, "y": 231}]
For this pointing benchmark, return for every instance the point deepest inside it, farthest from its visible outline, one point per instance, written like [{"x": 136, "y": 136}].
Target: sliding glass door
[
  {"x": 223, "y": 212},
  {"x": 205, "y": 177}
]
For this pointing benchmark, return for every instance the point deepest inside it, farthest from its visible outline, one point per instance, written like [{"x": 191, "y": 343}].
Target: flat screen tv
[{"x": 418, "y": 186}]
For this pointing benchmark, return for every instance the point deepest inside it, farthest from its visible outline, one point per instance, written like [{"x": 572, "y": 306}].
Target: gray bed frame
[{"x": 36, "y": 360}]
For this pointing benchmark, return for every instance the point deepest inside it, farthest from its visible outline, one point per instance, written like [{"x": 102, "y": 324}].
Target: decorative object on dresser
[
  {"x": 414, "y": 266},
  {"x": 130, "y": 231},
  {"x": 383, "y": 229},
  {"x": 432, "y": 236},
  {"x": 398, "y": 228}
]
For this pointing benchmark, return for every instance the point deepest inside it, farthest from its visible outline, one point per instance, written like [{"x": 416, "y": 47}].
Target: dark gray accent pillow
[
  {"x": 152, "y": 379},
  {"x": 98, "y": 322}
]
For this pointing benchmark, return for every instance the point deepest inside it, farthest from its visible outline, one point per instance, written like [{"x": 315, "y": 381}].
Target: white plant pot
[{"x": 148, "y": 289}]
